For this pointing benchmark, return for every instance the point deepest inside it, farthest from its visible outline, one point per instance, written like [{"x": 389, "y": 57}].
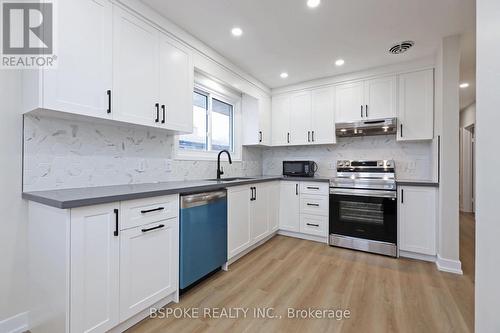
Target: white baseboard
[
  {"x": 450, "y": 266},
  {"x": 16, "y": 324},
  {"x": 417, "y": 256},
  {"x": 303, "y": 236}
]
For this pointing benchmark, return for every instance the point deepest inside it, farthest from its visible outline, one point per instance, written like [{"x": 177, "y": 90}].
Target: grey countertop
[
  {"x": 87, "y": 196},
  {"x": 410, "y": 182}
]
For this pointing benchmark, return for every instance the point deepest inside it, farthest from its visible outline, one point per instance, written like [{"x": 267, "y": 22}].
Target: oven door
[{"x": 367, "y": 214}]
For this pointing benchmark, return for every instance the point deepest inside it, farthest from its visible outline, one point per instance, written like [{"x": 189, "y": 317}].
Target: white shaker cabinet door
[
  {"x": 289, "y": 206},
  {"x": 135, "y": 70},
  {"x": 380, "y": 98},
  {"x": 148, "y": 265},
  {"x": 323, "y": 116},
  {"x": 349, "y": 102},
  {"x": 259, "y": 212},
  {"x": 176, "y": 86},
  {"x": 83, "y": 76},
  {"x": 95, "y": 260},
  {"x": 281, "y": 120},
  {"x": 238, "y": 224},
  {"x": 300, "y": 118}
]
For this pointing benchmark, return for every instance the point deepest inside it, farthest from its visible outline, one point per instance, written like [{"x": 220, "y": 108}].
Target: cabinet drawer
[
  {"x": 314, "y": 225},
  {"x": 314, "y": 204},
  {"x": 135, "y": 213},
  {"x": 314, "y": 188}
]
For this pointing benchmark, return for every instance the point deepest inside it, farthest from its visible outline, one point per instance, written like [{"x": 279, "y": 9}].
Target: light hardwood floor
[{"x": 382, "y": 294}]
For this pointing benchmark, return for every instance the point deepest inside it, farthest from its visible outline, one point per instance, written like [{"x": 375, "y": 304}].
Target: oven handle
[{"x": 364, "y": 193}]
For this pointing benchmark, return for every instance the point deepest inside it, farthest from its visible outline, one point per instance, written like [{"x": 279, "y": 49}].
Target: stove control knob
[
  {"x": 389, "y": 164},
  {"x": 340, "y": 163},
  {"x": 347, "y": 163},
  {"x": 381, "y": 163}
]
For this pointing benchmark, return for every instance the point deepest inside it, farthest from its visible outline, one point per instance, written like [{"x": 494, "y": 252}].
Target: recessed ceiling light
[
  {"x": 313, "y": 3},
  {"x": 339, "y": 62},
  {"x": 284, "y": 75},
  {"x": 237, "y": 32},
  {"x": 464, "y": 85}
]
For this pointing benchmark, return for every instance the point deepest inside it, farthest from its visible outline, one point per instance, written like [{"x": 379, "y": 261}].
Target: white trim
[
  {"x": 417, "y": 256},
  {"x": 236, "y": 154},
  {"x": 15, "y": 324},
  {"x": 401, "y": 68},
  {"x": 303, "y": 236},
  {"x": 448, "y": 265}
]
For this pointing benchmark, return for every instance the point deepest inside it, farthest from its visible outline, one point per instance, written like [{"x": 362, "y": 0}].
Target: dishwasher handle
[{"x": 201, "y": 199}]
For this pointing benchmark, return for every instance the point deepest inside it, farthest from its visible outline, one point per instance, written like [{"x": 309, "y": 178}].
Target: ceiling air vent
[{"x": 401, "y": 47}]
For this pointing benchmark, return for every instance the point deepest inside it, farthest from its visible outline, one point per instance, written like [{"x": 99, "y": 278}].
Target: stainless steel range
[{"x": 363, "y": 207}]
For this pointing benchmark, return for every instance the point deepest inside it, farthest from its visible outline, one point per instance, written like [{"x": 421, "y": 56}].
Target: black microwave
[{"x": 299, "y": 168}]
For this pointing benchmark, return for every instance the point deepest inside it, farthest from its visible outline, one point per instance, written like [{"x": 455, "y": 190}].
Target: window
[{"x": 213, "y": 124}]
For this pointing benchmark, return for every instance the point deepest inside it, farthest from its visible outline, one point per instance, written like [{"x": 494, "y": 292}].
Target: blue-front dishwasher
[{"x": 203, "y": 235}]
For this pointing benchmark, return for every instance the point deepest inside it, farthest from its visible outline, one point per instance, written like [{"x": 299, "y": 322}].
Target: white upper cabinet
[
  {"x": 300, "y": 118},
  {"x": 135, "y": 70},
  {"x": 281, "y": 120},
  {"x": 416, "y": 106},
  {"x": 380, "y": 98},
  {"x": 366, "y": 100},
  {"x": 304, "y": 118},
  {"x": 256, "y": 120},
  {"x": 323, "y": 116},
  {"x": 176, "y": 86},
  {"x": 349, "y": 99},
  {"x": 81, "y": 81}
]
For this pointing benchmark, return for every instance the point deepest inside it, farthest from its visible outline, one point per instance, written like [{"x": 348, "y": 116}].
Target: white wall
[
  {"x": 488, "y": 164},
  {"x": 447, "y": 127},
  {"x": 13, "y": 214},
  {"x": 467, "y": 118}
]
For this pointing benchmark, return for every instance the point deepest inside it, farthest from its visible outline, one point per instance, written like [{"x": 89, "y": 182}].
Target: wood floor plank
[{"x": 382, "y": 294}]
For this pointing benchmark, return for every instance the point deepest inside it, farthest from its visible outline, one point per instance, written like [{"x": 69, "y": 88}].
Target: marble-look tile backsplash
[
  {"x": 61, "y": 153},
  {"x": 413, "y": 159}
]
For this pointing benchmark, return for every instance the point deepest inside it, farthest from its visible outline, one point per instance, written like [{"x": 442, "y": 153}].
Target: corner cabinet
[
  {"x": 417, "y": 210},
  {"x": 304, "y": 118},
  {"x": 366, "y": 100},
  {"x": 129, "y": 71},
  {"x": 416, "y": 106},
  {"x": 252, "y": 216},
  {"x": 92, "y": 268}
]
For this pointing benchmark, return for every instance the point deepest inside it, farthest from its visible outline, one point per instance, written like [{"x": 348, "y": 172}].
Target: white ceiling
[{"x": 285, "y": 35}]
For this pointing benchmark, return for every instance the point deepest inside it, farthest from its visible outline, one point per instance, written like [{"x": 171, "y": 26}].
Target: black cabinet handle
[
  {"x": 401, "y": 130},
  {"x": 109, "y": 100},
  {"x": 288, "y": 137},
  {"x": 312, "y": 188},
  {"x": 116, "y": 223},
  {"x": 366, "y": 111},
  {"x": 153, "y": 228},
  {"x": 312, "y": 225},
  {"x": 308, "y": 136},
  {"x": 157, "y": 106},
  {"x": 152, "y": 210},
  {"x": 312, "y": 136},
  {"x": 296, "y": 189},
  {"x": 361, "y": 111},
  {"x": 164, "y": 113},
  {"x": 260, "y": 136},
  {"x": 315, "y": 205},
  {"x": 402, "y": 196},
  {"x": 255, "y": 193}
]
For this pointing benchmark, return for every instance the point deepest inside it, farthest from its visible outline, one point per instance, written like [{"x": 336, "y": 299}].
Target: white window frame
[{"x": 232, "y": 99}]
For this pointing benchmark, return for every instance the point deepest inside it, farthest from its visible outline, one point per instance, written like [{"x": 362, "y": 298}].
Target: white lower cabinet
[
  {"x": 92, "y": 273},
  {"x": 94, "y": 269},
  {"x": 253, "y": 211},
  {"x": 417, "y": 210},
  {"x": 148, "y": 260},
  {"x": 290, "y": 206},
  {"x": 315, "y": 225}
]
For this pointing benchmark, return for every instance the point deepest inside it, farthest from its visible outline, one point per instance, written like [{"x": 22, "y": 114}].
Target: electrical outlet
[{"x": 332, "y": 166}]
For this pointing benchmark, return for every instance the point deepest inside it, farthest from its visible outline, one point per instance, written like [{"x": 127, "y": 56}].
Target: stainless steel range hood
[{"x": 385, "y": 126}]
